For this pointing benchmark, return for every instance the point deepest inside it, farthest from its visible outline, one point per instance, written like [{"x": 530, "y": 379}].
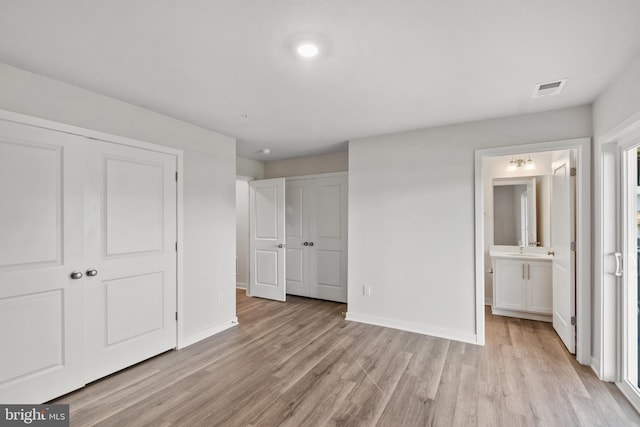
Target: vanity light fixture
[{"x": 514, "y": 163}]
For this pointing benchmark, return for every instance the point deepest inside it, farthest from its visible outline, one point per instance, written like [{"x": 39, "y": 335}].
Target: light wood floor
[{"x": 302, "y": 364}]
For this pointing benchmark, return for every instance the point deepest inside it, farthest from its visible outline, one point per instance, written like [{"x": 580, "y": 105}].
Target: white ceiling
[{"x": 385, "y": 66}]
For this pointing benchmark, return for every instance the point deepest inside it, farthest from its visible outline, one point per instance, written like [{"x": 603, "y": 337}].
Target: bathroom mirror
[{"x": 514, "y": 211}]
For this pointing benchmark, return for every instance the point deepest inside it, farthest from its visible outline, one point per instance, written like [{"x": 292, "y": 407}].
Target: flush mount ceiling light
[
  {"x": 514, "y": 164},
  {"x": 307, "y": 49},
  {"x": 265, "y": 151}
]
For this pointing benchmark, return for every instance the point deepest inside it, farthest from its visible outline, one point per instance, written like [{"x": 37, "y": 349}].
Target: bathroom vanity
[{"x": 522, "y": 283}]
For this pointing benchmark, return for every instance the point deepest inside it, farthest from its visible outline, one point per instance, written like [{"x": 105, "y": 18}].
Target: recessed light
[
  {"x": 265, "y": 151},
  {"x": 307, "y": 50}
]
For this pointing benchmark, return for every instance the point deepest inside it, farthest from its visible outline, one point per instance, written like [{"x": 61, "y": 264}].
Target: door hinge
[
  {"x": 573, "y": 320},
  {"x": 572, "y": 172},
  {"x": 176, "y": 176},
  {"x": 176, "y": 316},
  {"x": 176, "y": 246},
  {"x": 573, "y": 246}
]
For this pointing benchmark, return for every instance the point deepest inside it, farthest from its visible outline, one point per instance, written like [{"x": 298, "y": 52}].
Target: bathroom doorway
[{"x": 534, "y": 253}]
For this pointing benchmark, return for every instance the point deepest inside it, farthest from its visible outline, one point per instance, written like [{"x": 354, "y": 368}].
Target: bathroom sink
[{"x": 539, "y": 255}]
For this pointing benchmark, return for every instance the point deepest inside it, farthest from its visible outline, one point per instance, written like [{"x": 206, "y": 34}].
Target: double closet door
[
  {"x": 87, "y": 259},
  {"x": 316, "y": 236}
]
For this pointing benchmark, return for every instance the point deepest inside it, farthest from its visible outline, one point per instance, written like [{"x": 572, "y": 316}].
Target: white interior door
[
  {"x": 267, "y": 239},
  {"x": 297, "y": 229},
  {"x": 41, "y": 244},
  {"x": 562, "y": 234},
  {"x": 131, "y": 244},
  {"x": 328, "y": 238}
]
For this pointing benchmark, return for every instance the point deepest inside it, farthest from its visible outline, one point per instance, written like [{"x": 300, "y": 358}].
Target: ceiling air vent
[{"x": 549, "y": 88}]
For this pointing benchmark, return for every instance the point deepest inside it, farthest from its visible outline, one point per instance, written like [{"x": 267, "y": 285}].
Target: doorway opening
[{"x": 538, "y": 267}]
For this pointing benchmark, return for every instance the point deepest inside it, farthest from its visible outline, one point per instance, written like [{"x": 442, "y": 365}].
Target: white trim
[
  {"x": 180, "y": 252},
  {"x": 583, "y": 234},
  {"x": 631, "y": 393},
  {"x": 88, "y": 133},
  {"x": 488, "y": 301},
  {"x": 92, "y": 134},
  {"x": 192, "y": 339},
  {"x": 612, "y": 143},
  {"x": 595, "y": 365},
  {"x": 479, "y": 226},
  {"x": 451, "y": 334},
  {"x": 241, "y": 285},
  {"x": 317, "y": 175},
  {"x": 608, "y": 186},
  {"x": 522, "y": 315}
]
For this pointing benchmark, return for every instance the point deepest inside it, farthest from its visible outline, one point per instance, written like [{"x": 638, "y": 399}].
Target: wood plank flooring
[{"x": 300, "y": 363}]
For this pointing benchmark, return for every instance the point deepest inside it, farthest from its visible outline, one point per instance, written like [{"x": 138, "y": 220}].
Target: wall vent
[{"x": 549, "y": 88}]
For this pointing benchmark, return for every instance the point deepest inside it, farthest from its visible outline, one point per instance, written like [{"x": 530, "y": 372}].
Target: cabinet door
[
  {"x": 297, "y": 230},
  {"x": 328, "y": 238},
  {"x": 539, "y": 290},
  {"x": 510, "y": 285}
]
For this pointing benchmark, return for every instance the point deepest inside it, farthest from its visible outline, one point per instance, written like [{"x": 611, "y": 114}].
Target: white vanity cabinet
[{"x": 522, "y": 287}]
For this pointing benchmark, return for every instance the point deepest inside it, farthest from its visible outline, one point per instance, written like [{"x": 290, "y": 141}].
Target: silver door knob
[
  {"x": 306, "y": 243},
  {"x": 75, "y": 275},
  {"x": 310, "y": 243},
  {"x": 92, "y": 272},
  {"x": 552, "y": 253},
  {"x": 281, "y": 245}
]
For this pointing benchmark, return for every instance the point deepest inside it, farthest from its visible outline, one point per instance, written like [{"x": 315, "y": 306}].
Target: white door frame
[
  {"x": 608, "y": 233},
  {"x": 92, "y": 134},
  {"x": 583, "y": 234}
]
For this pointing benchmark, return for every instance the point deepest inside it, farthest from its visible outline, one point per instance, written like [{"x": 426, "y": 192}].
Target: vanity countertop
[{"x": 527, "y": 253}]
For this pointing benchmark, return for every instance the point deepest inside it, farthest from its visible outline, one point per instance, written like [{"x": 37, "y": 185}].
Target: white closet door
[
  {"x": 267, "y": 239},
  {"x": 297, "y": 228},
  {"x": 328, "y": 238},
  {"x": 130, "y": 303},
  {"x": 41, "y": 243}
]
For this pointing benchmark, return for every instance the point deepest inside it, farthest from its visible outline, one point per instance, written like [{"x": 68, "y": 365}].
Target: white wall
[
  {"x": 411, "y": 218},
  {"x": 209, "y": 182},
  {"x": 325, "y": 163},
  {"x": 615, "y": 106},
  {"x": 249, "y": 168}
]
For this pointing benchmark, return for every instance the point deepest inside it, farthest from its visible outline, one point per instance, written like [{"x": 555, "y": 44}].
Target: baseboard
[
  {"x": 488, "y": 301},
  {"x": 630, "y": 393},
  {"x": 192, "y": 339},
  {"x": 522, "y": 315},
  {"x": 595, "y": 366},
  {"x": 419, "y": 328},
  {"x": 241, "y": 285}
]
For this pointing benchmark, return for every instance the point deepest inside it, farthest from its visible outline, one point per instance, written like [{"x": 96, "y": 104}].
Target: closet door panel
[
  {"x": 328, "y": 232},
  {"x": 41, "y": 243},
  {"x": 297, "y": 228},
  {"x": 131, "y": 234}
]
